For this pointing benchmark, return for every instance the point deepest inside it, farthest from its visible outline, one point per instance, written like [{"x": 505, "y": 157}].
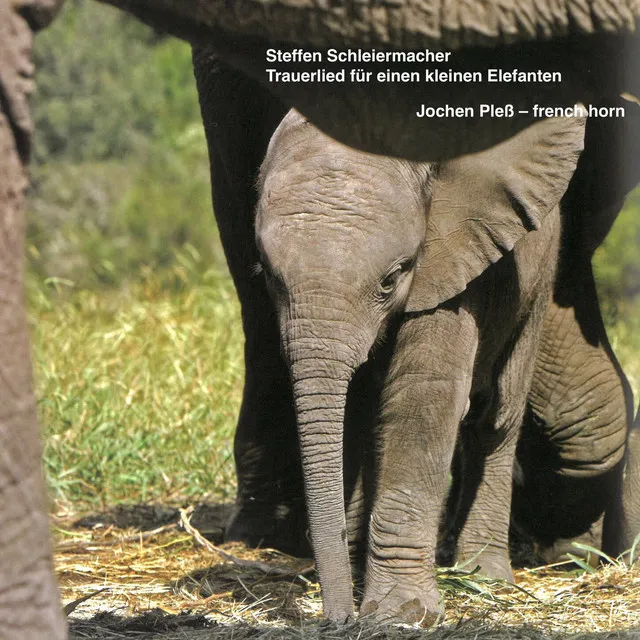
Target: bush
[
  {"x": 121, "y": 177},
  {"x": 617, "y": 262}
]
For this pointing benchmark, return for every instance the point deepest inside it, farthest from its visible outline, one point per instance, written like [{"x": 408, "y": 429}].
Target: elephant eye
[{"x": 390, "y": 281}]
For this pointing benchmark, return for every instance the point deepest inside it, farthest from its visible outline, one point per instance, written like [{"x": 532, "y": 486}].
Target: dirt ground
[{"x": 152, "y": 572}]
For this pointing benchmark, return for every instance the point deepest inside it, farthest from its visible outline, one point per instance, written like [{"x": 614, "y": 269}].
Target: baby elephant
[{"x": 437, "y": 276}]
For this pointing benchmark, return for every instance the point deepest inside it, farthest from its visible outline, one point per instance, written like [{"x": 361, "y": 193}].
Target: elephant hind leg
[
  {"x": 622, "y": 524},
  {"x": 563, "y": 549},
  {"x": 487, "y": 451},
  {"x": 359, "y": 463},
  {"x": 481, "y": 519},
  {"x": 554, "y": 509},
  {"x": 574, "y": 431}
]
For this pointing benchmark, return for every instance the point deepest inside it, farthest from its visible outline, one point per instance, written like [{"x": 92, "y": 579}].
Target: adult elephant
[
  {"x": 29, "y": 605},
  {"x": 592, "y": 43}
]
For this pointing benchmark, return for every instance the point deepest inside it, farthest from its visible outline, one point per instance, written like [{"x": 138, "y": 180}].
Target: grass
[
  {"x": 138, "y": 389},
  {"x": 624, "y": 334}
]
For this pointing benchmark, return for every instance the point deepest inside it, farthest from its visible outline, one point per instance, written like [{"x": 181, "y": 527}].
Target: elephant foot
[
  {"x": 403, "y": 606},
  {"x": 561, "y": 549},
  {"x": 492, "y": 565},
  {"x": 283, "y": 527}
]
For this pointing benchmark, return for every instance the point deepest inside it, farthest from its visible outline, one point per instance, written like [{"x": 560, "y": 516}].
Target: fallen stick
[
  {"x": 185, "y": 523},
  {"x": 71, "y": 606}
]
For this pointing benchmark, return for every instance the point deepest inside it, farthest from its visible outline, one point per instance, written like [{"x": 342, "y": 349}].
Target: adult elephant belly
[{"x": 380, "y": 116}]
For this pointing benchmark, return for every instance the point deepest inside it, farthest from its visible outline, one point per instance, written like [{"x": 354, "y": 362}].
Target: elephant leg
[
  {"x": 488, "y": 440},
  {"x": 449, "y": 527},
  {"x": 483, "y": 509},
  {"x": 29, "y": 601},
  {"x": 482, "y": 517},
  {"x": 423, "y": 400},
  {"x": 573, "y": 438},
  {"x": 270, "y": 508},
  {"x": 561, "y": 549},
  {"x": 622, "y": 521},
  {"x": 239, "y": 118}
]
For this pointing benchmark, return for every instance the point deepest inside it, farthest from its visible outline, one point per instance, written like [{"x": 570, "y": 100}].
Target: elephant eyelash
[{"x": 388, "y": 283}]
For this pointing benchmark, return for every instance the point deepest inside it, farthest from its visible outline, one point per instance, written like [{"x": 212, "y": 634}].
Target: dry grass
[{"x": 159, "y": 583}]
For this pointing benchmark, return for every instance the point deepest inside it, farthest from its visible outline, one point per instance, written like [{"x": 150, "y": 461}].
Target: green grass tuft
[{"x": 139, "y": 390}]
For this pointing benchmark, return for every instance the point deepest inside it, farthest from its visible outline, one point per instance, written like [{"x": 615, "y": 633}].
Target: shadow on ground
[
  {"x": 156, "y": 625},
  {"x": 209, "y": 518}
]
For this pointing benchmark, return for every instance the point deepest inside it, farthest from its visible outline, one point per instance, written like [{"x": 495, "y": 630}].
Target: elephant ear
[{"x": 483, "y": 203}]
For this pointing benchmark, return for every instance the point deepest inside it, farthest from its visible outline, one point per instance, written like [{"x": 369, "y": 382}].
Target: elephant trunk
[{"x": 321, "y": 368}]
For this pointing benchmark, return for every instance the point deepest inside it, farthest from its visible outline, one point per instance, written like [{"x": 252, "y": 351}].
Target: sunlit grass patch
[
  {"x": 138, "y": 390},
  {"x": 623, "y": 329}
]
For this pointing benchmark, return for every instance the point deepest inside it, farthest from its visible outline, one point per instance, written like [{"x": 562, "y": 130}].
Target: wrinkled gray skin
[
  {"x": 239, "y": 117},
  {"x": 569, "y": 481},
  {"x": 357, "y": 249},
  {"x": 581, "y": 39},
  {"x": 629, "y": 509},
  {"x": 29, "y": 605},
  {"x": 596, "y": 48}
]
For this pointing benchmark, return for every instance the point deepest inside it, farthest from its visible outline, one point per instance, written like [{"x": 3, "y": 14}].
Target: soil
[{"x": 139, "y": 572}]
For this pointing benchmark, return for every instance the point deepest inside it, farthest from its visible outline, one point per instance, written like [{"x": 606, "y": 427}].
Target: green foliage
[
  {"x": 106, "y": 84},
  {"x": 623, "y": 329},
  {"x": 617, "y": 262},
  {"x": 96, "y": 95},
  {"x": 139, "y": 363},
  {"x": 617, "y": 270},
  {"x": 121, "y": 177}
]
